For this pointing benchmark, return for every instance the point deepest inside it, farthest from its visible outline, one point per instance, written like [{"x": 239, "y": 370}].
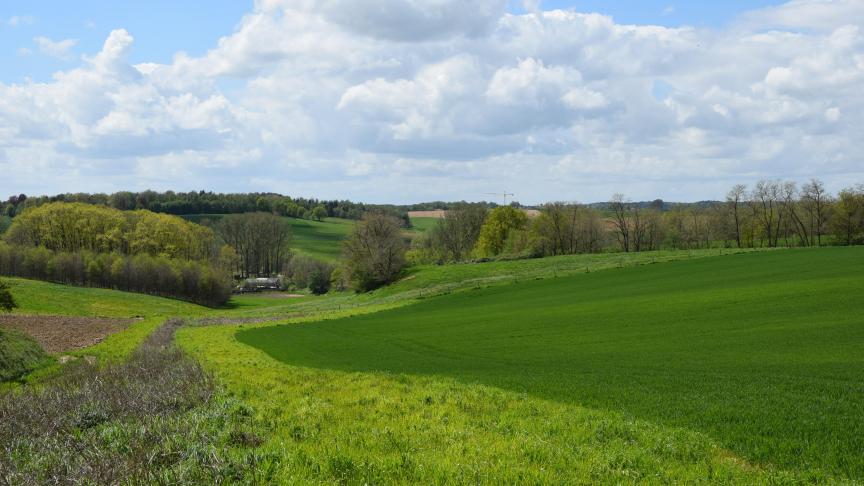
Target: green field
[
  {"x": 761, "y": 352},
  {"x": 708, "y": 366},
  {"x": 317, "y": 239},
  {"x": 422, "y": 225}
]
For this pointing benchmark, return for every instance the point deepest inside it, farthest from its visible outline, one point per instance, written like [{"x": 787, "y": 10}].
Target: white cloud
[
  {"x": 59, "y": 49},
  {"x": 17, "y": 20},
  {"x": 439, "y": 99}
]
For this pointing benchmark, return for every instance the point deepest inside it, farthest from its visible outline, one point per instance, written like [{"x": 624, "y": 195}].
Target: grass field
[
  {"x": 758, "y": 353},
  {"x": 317, "y": 239},
  {"x": 422, "y": 225}
]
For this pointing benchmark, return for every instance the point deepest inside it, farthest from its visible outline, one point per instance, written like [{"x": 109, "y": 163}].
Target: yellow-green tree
[{"x": 498, "y": 226}]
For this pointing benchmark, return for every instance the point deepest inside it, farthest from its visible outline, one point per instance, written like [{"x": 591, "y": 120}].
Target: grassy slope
[
  {"x": 761, "y": 352},
  {"x": 318, "y": 239},
  {"x": 19, "y": 355},
  {"x": 42, "y": 298},
  {"x": 426, "y": 281}
]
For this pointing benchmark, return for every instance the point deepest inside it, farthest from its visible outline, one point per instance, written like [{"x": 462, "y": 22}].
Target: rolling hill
[{"x": 761, "y": 352}]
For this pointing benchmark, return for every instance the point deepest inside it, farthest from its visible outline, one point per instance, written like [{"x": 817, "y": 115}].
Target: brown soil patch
[
  {"x": 57, "y": 334},
  {"x": 437, "y": 213}
]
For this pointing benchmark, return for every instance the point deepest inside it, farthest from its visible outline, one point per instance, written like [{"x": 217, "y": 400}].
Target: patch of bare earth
[{"x": 58, "y": 334}]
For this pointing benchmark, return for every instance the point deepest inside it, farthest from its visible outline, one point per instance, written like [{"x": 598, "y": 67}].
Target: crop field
[{"x": 759, "y": 353}]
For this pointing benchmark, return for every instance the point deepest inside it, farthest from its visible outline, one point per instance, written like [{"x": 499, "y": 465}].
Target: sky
[{"x": 415, "y": 100}]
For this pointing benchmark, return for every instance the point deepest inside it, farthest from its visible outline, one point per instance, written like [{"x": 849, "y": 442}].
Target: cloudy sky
[{"x": 415, "y": 100}]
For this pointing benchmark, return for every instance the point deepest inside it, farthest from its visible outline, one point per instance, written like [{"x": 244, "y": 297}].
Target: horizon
[{"x": 554, "y": 100}]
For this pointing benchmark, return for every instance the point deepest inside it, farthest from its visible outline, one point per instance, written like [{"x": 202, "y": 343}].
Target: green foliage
[
  {"x": 19, "y": 354},
  {"x": 74, "y": 227},
  {"x": 5, "y": 222},
  {"x": 759, "y": 352},
  {"x": 195, "y": 281},
  {"x": 374, "y": 252},
  {"x": 319, "y": 213},
  {"x": 495, "y": 231},
  {"x": 305, "y": 272},
  {"x": 7, "y": 302}
]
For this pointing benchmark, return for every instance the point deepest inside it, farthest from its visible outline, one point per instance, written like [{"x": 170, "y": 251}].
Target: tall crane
[{"x": 503, "y": 195}]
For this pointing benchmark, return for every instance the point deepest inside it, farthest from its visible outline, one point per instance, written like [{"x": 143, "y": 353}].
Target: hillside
[
  {"x": 756, "y": 351},
  {"x": 318, "y": 239}
]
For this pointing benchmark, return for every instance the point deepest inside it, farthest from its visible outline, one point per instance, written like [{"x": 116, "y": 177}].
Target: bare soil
[{"x": 58, "y": 334}]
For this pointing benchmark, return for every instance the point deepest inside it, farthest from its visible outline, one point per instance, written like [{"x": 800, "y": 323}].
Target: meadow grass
[
  {"x": 758, "y": 353},
  {"x": 422, "y": 225},
  {"x": 422, "y": 282},
  {"x": 321, "y": 240},
  {"x": 332, "y": 426}
]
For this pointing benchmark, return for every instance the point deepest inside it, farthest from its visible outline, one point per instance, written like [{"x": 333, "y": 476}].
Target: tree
[
  {"x": 734, "y": 200},
  {"x": 7, "y": 303},
  {"x": 495, "y": 231},
  {"x": 620, "y": 208},
  {"x": 319, "y": 213},
  {"x": 260, "y": 239},
  {"x": 374, "y": 252},
  {"x": 767, "y": 199},
  {"x": 454, "y": 236},
  {"x": 849, "y": 219},
  {"x": 816, "y": 203},
  {"x": 564, "y": 229}
]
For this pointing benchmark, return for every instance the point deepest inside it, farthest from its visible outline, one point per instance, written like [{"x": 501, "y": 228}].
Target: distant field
[
  {"x": 421, "y": 225},
  {"x": 761, "y": 352},
  {"x": 317, "y": 239}
]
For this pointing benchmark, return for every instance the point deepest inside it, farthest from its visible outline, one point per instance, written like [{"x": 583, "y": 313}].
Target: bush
[
  {"x": 19, "y": 354},
  {"x": 7, "y": 303}
]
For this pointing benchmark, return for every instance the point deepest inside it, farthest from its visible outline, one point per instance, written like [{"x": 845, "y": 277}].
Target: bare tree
[
  {"x": 260, "y": 239},
  {"x": 620, "y": 207},
  {"x": 734, "y": 200},
  {"x": 816, "y": 202},
  {"x": 766, "y": 197}
]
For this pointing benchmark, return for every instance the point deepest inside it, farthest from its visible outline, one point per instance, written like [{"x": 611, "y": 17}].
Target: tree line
[
  {"x": 195, "y": 281},
  {"x": 201, "y": 202},
  {"x": 770, "y": 214},
  {"x": 98, "y": 246}
]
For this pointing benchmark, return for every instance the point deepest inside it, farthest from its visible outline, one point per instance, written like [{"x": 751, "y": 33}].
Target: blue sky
[{"x": 413, "y": 100}]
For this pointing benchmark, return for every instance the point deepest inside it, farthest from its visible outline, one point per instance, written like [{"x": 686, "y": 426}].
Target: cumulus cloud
[
  {"x": 59, "y": 49},
  {"x": 442, "y": 99}
]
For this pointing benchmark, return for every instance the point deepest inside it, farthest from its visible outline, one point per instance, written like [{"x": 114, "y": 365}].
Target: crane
[{"x": 503, "y": 195}]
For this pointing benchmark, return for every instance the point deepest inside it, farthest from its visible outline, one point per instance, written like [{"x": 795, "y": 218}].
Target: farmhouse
[{"x": 260, "y": 284}]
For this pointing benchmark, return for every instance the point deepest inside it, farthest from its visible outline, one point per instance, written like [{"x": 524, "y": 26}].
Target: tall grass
[{"x": 156, "y": 418}]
